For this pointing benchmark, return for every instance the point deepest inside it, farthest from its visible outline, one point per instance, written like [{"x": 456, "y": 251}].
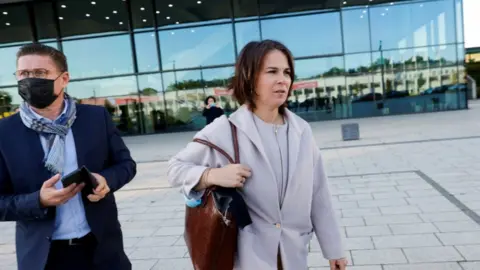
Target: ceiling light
[
  {"x": 88, "y": 15},
  {"x": 391, "y": 3},
  {"x": 7, "y": 24},
  {"x": 199, "y": 2},
  {"x": 344, "y": 2},
  {"x": 170, "y": 5},
  {"x": 383, "y": 14},
  {"x": 60, "y": 18},
  {"x": 142, "y": 8},
  {"x": 120, "y": 23},
  {"x": 108, "y": 18},
  {"x": 177, "y": 22},
  {"x": 193, "y": 31},
  {"x": 5, "y": 13},
  {"x": 114, "y": 12},
  {"x": 173, "y": 33},
  {"x": 63, "y": 6},
  {"x": 158, "y": 12},
  {"x": 93, "y": 3},
  {"x": 361, "y": 17},
  {"x": 364, "y": 11},
  {"x": 168, "y": 18},
  {"x": 144, "y": 20}
]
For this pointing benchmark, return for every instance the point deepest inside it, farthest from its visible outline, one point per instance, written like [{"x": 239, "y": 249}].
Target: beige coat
[{"x": 307, "y": 206}]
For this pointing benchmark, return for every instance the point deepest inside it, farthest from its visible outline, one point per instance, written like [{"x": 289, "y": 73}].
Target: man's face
[{"x": 43, "y": 67}]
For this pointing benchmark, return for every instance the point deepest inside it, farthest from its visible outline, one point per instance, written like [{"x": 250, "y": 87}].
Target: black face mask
[{"x": 37, "y": 92}]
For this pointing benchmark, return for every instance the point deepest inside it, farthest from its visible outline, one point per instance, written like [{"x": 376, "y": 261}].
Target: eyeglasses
[{"x": 36, "y": 73}]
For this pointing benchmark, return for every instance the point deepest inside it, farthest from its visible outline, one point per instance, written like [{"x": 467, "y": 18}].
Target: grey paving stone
[
  {"x": 404, "y": 241},
  {"x": 470, "y": 265},
  {"x": 170, "y": 231},
  {"x": 173, "y": 264},
  {"x": 470, "y": 252},
  {"x": 392, "y": 219},
  {"x": 457, "y": 226},
  {"x": 346, "y": 222},
  {"x": 354, "y": 197},
  {"x": 360, "y": 212},
  {"x": 352, "y": 267},
  {"x": 345, "y": 205},
  {"x": 315, "y": 259},
  {"x": 446, "y": 216},
  {"x": 382, "y": 202},
  {"x": 432, "y": 254},
  {"x": 389, "y": 195},
  {"x": 418, "y": 228},
  {"x": 376, "y": 257},
  {"x": 424, "y": 266},
  {"x": 460, "y": 238},
  {"x": 143, "y": 264},
  {"x": 367, "y": 231},
  {"x": 396, "y": 210},
  {"x": 157, "y": 241},
  {"x": 142, "y": 253},
  {"x": 7, "y": 249}
]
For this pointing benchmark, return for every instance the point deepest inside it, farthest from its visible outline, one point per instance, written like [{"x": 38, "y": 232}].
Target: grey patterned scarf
[{"x": 55, "y": 132}]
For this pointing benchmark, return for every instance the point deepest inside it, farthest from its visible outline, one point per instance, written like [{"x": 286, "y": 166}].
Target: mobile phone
[{"x": 81, "y": 175}]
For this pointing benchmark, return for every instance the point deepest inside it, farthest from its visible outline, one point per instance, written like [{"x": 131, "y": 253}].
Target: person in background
[
  {"x": 211, "y": 109},
  {"x": 281, "y": 176},
  {"x": 57, "y": 227}
]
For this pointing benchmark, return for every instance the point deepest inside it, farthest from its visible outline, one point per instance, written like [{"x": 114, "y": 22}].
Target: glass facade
[{"x": 151, "y": 63}]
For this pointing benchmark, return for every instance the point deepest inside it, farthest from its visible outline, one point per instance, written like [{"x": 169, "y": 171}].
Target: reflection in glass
[
  {"x": 44, "y": 20},
  {"x": 8, "y": 65},
  {"x": 216, "y": 84},
  {"x": 14, "y": 28},
  {"x": 191, "y": 12},
  {"x": 142, "y": 14},
  {"x": 9, "y": 101},
  {"x": 195, "y": 47},
  {"x": 317, "y": 87},
  {"x": 412, "y": 24},
  {"x": 459, "y": 22},
  {"x": 356, "y": 34},
  {"x": 146, "y": 50},
  {"x": 118, "y": 95},
  {"x": 152, "y": 103},
  {"x": 246, "y": 32},
  {"x": 303, "y": 36},
  {"x": 99, "y": 56},
  {"x": 90, "y": 18},
  {"x": 184, "y": 92}
]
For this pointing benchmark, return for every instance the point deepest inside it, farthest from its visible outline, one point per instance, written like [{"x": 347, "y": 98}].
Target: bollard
[{"x": 350, "y": 132}]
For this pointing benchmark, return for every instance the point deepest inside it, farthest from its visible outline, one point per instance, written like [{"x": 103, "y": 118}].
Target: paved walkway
[{"x": 407, "y": 195}]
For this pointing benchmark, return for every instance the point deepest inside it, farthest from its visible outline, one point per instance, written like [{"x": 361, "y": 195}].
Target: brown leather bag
[{"x": 210, "y": 229}]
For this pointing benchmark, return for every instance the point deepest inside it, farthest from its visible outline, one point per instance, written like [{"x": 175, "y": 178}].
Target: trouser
[
  {"x": 279, "y": 260},
  {"x": 74, "y": 254}
]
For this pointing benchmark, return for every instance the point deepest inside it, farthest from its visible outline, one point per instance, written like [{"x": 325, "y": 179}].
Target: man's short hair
[{"x": 57, "y": 56}]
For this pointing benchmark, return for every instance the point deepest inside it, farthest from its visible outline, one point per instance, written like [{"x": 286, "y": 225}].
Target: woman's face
[
  {"x": 273, "y": 81},
  {"x": 210, "y": 101}
]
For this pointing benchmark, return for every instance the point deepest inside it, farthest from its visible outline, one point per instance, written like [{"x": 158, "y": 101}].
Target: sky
[{"x": 471, "y": 15}]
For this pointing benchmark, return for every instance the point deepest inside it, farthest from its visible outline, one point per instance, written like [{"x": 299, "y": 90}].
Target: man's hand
[
  {"x": 340, "y": 264},
  {"x": 102, "y": 189},
  {"x": 50, "y": 196}
]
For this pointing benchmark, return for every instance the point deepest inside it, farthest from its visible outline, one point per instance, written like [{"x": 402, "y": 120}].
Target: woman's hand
[
  {"x": 232, "y": 175},
  {"x": 339, "y": 264}
]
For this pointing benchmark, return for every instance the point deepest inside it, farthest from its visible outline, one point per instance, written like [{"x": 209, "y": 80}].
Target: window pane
[
  {"x": 358, "y": 63},
  {"x": 192, "y": 12},
  {"x": 244, "y": 9},
  {"x": 118, "y": 95},
  {"x": 459, "y": 17},
  {"x": 151, "y": 95},
  {"x": 99, "y": 56},
  {"x": 316, "y": 88},
  {"x": 142, "y": 14},
  {"x": 14, "y": 25},
  {"x": 356, "y": 32},
  {"x": 246, "y": 32},
  {"x": 216, "y": 83},
  {"x": 183, "y": 95},
  {"x": 9, "y": 101},
  {"x": 268, "y": 7},
  {"x": 83, "y": 18},
  {"x": 413, "y": 25},
  {"x": 8, "y": 66},
  {"x": 305, "y": 35},
  {"x": 199, "y": 46},
  {"x": 44, "y": 21},
  {"x": 146, "y": 50}
]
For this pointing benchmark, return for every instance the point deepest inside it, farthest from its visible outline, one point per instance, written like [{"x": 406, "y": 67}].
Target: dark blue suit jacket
[{"x": 100, "y": 148}]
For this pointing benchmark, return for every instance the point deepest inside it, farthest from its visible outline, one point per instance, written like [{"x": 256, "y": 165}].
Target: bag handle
[{"x": 220, "y": 150}]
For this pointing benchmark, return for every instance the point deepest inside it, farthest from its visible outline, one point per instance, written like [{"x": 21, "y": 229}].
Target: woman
[
  {"x": 211, "y": 110},
  {"x": 281, "y": 175}
]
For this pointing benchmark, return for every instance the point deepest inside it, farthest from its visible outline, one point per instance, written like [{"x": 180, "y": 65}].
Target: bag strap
[{"x": 220, "y": 150}]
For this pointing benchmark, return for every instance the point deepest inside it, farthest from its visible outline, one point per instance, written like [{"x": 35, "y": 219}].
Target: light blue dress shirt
[{"x": 70, "y": 220}]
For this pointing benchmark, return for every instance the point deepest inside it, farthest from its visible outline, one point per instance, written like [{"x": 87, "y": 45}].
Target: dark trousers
[{"x": 72, "y": 255}]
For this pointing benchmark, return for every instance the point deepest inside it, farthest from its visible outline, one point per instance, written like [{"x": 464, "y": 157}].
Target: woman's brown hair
[{"x": 248, "y": 66}]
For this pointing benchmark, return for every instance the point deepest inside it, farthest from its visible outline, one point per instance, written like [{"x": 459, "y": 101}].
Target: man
[{"x": 57, "y": 227}]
